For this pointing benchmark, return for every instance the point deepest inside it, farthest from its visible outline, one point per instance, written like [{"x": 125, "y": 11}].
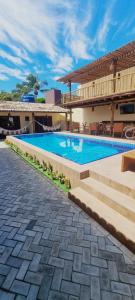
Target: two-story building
[{"x": 106, "y": 89}]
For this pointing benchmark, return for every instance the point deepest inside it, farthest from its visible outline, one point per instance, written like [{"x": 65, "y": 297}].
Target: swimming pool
[{"x": 81, "y": 150}]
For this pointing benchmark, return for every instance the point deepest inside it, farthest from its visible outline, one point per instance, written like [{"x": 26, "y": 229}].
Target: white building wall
[
  {"x": 100, "y": 113},
  {"x": 78, "y": 115}
]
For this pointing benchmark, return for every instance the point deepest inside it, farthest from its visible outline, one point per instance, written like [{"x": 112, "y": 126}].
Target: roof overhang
[
  {"x": 11, "y": 106},
  {"x": 124, "y": 58}
]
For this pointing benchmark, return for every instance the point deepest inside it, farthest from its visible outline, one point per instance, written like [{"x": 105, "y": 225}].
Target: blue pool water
[{"x": 75, "y": 148}]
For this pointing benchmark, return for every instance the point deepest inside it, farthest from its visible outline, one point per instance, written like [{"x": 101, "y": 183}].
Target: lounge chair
[
  {"x": 118, "y": 129},
  {"x": 108, "y": 129},
  {"x": 75, "y": 127},
  {"x": 93, "y": 128}
]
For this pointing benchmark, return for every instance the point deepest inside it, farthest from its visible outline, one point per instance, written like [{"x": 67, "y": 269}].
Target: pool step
[
  {"x": 118, "y": 201},
  {"x": 120, "y": 184},
  {"x": 111, "y": 219}
]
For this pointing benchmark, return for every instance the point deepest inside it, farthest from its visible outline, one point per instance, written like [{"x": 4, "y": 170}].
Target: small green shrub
[
  {"x": 62, "y": 178},
  {"x": 50, "y": 168},
  {"x": 67, "y": 183},
  {"x": 58, "y": 178},
  {"x": 38, "y": 162},
  {"x": 44, "y": 166},
  {"x": 30, "y": 157},
  {"x": 34, "y": 159},
  {"x": 55, "y": 175},
  {"x": 20, "y": 151}
]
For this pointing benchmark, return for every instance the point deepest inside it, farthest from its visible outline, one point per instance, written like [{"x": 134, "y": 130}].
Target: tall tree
[
  {"x": 31, "y": 84},
  {"x": 5, "y": 96}
]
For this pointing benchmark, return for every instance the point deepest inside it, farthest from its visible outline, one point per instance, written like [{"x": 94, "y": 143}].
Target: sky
[{"x": 51, "y": 38}]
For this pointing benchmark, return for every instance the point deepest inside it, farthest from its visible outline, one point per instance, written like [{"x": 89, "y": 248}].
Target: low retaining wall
[{"x": 70, "y": 169}]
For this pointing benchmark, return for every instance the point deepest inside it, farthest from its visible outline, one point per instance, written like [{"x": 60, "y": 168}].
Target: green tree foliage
[
  {"x": 40, "y": 100},
  {"x": 26, "y": 86},
  {"x": 5, "y": 96},
  {"x": 30, "y": 84}
]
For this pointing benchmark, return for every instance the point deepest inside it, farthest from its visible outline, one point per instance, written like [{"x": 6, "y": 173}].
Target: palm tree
[{"x": 40, "y": 86}]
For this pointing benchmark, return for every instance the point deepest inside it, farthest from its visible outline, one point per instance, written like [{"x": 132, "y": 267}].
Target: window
[
  {"x": 27, "y": 119},
  {"x": 11, "y": 123},
  {"x": 127, "y": 109}
]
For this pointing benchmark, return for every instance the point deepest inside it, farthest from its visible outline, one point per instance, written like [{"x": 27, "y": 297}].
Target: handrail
[{"x": 123, "y": 83}]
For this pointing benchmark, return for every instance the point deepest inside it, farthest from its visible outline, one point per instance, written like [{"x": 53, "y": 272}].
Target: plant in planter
[
  {"x": 67, "y": 183},
  {"x": 34, "y": 159},
  {"x": 44, "y": 166},
  {"x": 37, "y": 162},
  {"x": 55, "y": 175},
  {"x": 50, "y": 169},
  {"x": 16, "y": 149},
  {"x": 30, "y": 157},
  {"x": 19, "y": 151},
  {"x": 62, "y": 178},
  {"x": 7, "y": 142}
]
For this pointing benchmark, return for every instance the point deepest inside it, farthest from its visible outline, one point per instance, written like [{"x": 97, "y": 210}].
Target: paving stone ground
[{"x": 49, "y": 248}]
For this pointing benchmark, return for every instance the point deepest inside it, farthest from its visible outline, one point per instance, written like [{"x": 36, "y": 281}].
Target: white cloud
[
  {"x": 105, "y": 27},
  {"x": 64, "y": 63},
  {"x": 80, "y": 48},
  {"x": 55, "y": 78},
  {"x": 13, "y": 59},
  {"x": 55, "y": 29},
  {"x": 38, "y": 70},
  {"x": 6, "y": 71},
  {"x": 22, "y": 53},
  {"x": 75, "y": 32},
  {"x": 119, "y": 28},
  {"x": 30, "y": 27},
  {"x": 30, "y": 24},
  {"x": 131, "y": 24},
  {"x": 3, "y": 77}
]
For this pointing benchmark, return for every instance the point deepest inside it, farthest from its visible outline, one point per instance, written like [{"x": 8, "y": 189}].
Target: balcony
[{"x": 119, "y": 85}]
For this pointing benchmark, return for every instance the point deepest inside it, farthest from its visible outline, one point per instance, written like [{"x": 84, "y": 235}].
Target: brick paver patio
[{"x": 49, "y": 248}]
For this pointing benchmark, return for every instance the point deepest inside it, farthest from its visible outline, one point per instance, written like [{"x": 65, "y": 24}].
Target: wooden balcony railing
[{"x": 120, "y": 84}]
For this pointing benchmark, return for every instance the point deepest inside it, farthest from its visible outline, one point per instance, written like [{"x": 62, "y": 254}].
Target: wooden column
[
  {"x": 70, "y": 98},
  {"x": 33, "y": 124},
  {"x": 112, "y": 116},
  {"x": 70, "y": 90},
  {"x": 70, "y": 122},
  {"x": 66, "y": 121},
  {"x": 114, "y": 69}
]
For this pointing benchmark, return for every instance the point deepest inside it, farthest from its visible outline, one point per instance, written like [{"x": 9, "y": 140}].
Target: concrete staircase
[{"x": 111, "y": 203}]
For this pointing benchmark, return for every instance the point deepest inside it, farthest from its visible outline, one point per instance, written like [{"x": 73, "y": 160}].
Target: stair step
[
  {"x": 118, "y": 201},
  {"x": 120, "y": 185},
  {"x": 112, "y": 220}
]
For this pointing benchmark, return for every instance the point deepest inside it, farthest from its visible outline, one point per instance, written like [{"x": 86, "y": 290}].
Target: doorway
[{"x": 45, "y": 120}]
